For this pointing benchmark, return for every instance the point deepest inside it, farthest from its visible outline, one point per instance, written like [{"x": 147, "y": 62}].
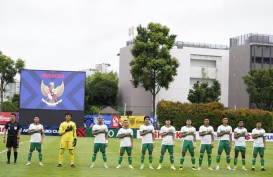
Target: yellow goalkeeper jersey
[{"x": 70, "y": 135}]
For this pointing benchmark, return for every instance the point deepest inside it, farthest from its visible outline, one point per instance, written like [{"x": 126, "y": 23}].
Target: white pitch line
[{"x": 1, "y": 152}]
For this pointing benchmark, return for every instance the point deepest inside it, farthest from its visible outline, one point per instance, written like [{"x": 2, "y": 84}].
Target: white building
[
  {"x": 89, "y": 72},
  {"x": 102, "y": 68},
  {"x": 197, "y": 62},
  {"x": 11, "y": 89}
]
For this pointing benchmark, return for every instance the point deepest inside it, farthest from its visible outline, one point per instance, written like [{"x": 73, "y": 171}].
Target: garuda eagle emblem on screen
[{"x": 51, "y": 93}]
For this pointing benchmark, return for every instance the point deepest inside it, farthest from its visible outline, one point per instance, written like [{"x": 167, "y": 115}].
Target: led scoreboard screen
[{"x": 52, "y": 90}]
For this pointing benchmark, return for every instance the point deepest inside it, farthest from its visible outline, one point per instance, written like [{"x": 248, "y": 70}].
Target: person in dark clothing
[{"x": 12, "y": 131}]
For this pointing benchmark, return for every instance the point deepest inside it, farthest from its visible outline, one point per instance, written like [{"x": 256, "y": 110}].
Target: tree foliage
[
  {"x": 153, "y": 67},
  {"x": 8, "y": 70},
  {"x": 12, "y": 105},
  {"x": 203, "y": 93},
  {"x": 260, "y": 88},
  {"x": 101, "y": 90},
  {"x": 178, "y": 113}
]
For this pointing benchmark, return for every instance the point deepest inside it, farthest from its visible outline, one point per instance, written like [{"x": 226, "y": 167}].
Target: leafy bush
[{"x": 178, "y": 113}]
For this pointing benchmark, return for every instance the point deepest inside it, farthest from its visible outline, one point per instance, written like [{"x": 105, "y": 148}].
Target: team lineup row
[{"x": 68, "y": 128}]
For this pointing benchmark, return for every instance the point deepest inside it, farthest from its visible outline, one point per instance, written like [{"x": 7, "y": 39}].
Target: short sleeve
[
  {"x": 141, "y": 128},
  {"x": 119, "y": 132},
  {"x": 219, "y": 130},
  {"x": 174, "y": 129},
  {"x": 200, "y": 129},
  {"x": 30, "y": 127},
  {"x": 94, "y": 128},
  {"x": 153, "y": 128},
  {"x": 106, "y": 128},
  {"x": 212, "y": 129},
  {"x": 18, "y": 125},
  {"x": 253, "y": 131},
  {"x": 162, "y": 130},
  {"x": 194, "y": 130}
]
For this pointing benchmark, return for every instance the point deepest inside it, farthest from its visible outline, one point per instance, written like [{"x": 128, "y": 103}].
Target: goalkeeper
[{"x": 69, "y": 139}]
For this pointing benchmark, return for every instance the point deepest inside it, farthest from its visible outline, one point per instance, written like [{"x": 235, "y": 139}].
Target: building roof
[
  {"x": 181, "y": 44},
  {"x": 251, "y": 38},
  {"x": 108, "y": 110}
]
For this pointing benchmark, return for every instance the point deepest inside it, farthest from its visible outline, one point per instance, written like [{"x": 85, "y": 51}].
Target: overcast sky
[{"x": 77, "y": 34}]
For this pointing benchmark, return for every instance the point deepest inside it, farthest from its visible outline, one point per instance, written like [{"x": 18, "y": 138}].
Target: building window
[
  {"x": 203, "y": 63},
  {"x": 258, "y": 63},
  {"x": 266, "y": 63},
  {"x": 252, "y": 62}
]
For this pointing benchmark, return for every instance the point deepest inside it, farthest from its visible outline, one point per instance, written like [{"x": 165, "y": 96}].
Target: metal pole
[{"x": 124, "y": 113}]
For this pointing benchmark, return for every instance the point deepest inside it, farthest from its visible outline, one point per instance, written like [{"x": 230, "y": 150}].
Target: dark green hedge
[{"x": 178, "y": 112}]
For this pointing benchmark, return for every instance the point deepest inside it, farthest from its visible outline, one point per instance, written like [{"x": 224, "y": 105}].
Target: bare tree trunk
[{"x": 153, "y": 94}]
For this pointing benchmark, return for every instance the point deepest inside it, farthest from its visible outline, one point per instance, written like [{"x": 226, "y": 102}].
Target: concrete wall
[
  {"x": 137, "y": 99},
  {"x": 179, "y": 89},
  {"x": 239, "y": 66},
  {"x": 140, "y": 102}
]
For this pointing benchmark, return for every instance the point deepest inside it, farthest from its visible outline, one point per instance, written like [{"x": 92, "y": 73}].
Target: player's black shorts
[{"x": 12, "y": 142}]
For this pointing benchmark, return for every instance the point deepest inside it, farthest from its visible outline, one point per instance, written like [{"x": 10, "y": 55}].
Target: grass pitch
[{"x": 83, "y": 153}]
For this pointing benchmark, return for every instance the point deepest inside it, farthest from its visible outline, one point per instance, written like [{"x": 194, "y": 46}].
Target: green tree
[
  {"x": 93, "y": 110},
  {"x": 203, "y": 93},
  {"x": 153, "y": 67},
  {"x": 8, "y": 70},
  {"x": 16, "y": 100},
  {"x": 8, "y": 106},
  {"x": 259, "y": 85},
  {"x": 101, "y": 90}
]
